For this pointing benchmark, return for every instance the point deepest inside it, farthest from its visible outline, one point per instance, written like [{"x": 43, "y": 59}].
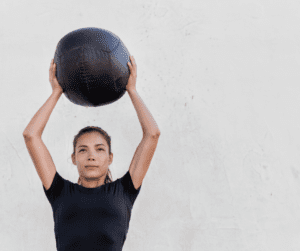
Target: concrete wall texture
[{"x": 221, "y": 79}]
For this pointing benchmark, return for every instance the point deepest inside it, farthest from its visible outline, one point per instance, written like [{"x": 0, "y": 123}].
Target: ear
[
  {"x": 73, "y": 159},
  {"x": 111, "y": 157}
]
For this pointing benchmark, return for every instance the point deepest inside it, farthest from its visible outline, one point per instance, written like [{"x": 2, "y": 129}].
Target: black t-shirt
[{"x": 91, "y": 218}]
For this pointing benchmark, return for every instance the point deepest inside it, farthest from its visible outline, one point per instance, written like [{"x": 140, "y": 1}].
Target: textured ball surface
[{"x": 92, "y": 66}]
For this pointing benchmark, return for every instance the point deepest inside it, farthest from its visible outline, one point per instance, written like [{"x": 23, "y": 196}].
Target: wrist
[
  {"x": 57, "y": 92},
  {"x": 130, "y": 90}
]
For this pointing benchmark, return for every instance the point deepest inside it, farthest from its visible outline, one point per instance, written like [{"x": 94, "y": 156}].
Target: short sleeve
[
  {"x": 129, "y": 188},
  {"x": 55, "y": 189}
]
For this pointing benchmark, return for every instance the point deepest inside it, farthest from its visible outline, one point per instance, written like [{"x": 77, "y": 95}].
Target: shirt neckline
[{"x": 89, "y": 190}]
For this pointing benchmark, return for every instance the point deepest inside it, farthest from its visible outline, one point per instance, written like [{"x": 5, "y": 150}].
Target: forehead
[{"x": 91, "y": 138}]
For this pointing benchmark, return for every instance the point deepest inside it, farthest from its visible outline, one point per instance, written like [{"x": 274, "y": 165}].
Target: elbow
[
  {"x": 151, "y": 135},
  {"x": 26, "y": 136},
  {"x": 155, "y": 135},
  {"x": 26, "y": 133}
]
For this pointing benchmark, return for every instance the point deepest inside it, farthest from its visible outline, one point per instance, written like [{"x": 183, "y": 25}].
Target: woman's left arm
[{"x": 145, "y": 150}]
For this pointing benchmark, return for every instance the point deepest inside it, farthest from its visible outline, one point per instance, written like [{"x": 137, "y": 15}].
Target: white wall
[{"x": 221, "y": 79}]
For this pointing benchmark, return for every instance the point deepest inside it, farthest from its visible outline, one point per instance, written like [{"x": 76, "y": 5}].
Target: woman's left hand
[{"x": 133, "y": 74}]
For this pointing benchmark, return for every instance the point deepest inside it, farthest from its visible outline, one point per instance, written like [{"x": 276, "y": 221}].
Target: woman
[{"x": 95, "y": 213}]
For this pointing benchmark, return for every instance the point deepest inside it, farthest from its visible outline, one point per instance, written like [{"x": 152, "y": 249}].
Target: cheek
[{"x": 79, "y": 160}]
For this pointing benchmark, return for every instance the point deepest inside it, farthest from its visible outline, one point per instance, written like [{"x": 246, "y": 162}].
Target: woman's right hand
[{"x": 52, "y": 78}]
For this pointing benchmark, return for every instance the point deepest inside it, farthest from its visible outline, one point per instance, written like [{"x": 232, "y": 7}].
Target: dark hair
[{"x": 89, "y": 129}]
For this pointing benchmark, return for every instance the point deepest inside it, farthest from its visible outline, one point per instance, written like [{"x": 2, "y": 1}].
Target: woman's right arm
[{"x": 32, "y": 134}]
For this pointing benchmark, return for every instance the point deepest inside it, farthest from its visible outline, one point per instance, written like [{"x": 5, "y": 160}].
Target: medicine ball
[{"x": 92, "y": 66}]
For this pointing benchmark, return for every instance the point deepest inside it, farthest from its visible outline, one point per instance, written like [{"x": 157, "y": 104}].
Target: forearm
[
  {"x": 148, "y": 123},
  {"x": 40, "y": 119}
]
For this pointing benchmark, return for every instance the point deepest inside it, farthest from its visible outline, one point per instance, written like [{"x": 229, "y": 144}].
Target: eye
[{"x": 98, "y": 149}]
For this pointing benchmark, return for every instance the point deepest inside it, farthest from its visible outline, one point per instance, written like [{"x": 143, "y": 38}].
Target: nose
[{"x": 91, "y": 155}]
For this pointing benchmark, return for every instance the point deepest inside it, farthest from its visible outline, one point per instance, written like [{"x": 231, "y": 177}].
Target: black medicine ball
[{"x": 92, "y": 66}]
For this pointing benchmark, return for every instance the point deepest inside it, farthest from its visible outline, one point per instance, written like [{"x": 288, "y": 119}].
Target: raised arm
[
  {"x": 145, "y": 150},
  {"x": 33, "y": 134}
]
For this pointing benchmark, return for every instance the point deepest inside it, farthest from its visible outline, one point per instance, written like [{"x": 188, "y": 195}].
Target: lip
[{"x": 90, "y": 166}]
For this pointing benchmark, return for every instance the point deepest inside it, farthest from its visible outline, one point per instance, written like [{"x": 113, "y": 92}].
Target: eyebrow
[{"x": 86, "y": 146}]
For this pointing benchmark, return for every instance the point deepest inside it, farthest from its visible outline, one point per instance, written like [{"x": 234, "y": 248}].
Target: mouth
[{"x": 90, "y": 166}]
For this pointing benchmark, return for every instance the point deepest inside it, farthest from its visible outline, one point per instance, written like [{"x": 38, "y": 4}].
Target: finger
[{"x": 133, "y": 61}]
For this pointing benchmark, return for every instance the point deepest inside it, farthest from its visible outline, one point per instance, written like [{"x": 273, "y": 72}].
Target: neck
[{"x": 90, "y": 184}]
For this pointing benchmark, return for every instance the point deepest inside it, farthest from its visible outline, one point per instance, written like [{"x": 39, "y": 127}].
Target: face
[{"x": 92, "y": 150}]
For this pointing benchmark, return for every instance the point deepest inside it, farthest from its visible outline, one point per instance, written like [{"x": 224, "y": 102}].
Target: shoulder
[
  {"x": 127, "y": 183},
  {"x": 58, "y": 188}
]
